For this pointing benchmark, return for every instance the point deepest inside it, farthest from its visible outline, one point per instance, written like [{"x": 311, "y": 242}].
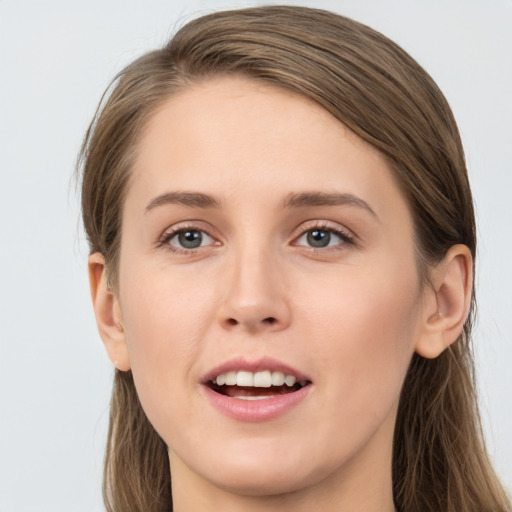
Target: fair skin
[{"x": 294, "y": 243}]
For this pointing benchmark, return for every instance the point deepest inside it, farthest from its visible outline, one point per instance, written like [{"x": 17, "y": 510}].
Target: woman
[{"x": 282, "y": 254}]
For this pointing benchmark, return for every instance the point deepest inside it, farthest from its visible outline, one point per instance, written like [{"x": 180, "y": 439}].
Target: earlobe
[
  {"x": 108, "y": 313},
  {"x": 446, "y": 302}
]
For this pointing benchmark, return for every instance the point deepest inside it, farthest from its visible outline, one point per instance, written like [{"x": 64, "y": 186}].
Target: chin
[
  {"x": 265, "y": 470},
  {"x": 261, "y": 481}
]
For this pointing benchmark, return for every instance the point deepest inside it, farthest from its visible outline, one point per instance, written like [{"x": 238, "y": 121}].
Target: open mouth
[{"x": 261, "y": 385}]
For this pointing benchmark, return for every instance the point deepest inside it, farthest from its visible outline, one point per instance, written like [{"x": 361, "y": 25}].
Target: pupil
[
  {"x": 190, "y": 239},
  {"x": 319, "y": 238}
]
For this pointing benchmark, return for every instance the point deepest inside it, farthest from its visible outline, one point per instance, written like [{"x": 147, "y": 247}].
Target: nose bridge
[{"x": 255, "y": 297}]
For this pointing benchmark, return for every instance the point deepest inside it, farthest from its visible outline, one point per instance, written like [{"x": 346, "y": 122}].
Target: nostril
[{"x": 270, "y": 320}]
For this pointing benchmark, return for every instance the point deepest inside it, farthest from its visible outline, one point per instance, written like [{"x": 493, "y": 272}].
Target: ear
[
  {"x": 446, "y": 302},
  {"x": 108, "y": 313}
]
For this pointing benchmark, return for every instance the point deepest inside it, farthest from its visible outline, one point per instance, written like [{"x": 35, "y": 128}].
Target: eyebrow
[
  {"x": 309, "y": 199},
  {"x": 299, "y": 200},
  {"x": 192, "y": 199}
]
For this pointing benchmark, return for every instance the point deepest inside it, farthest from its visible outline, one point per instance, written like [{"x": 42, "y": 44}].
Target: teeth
[
  {"x": 230, "y": 379},
  {"x": 252, "y": 397},
  {"x": 289, "y": 380},
  {"x": 244, "y": 379},
  {"x": 278, "y": 378},
  {"x": 264, "y": 379}
]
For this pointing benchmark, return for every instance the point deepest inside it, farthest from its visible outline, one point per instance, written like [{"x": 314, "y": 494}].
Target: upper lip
[{"x": 243, "y": 363}]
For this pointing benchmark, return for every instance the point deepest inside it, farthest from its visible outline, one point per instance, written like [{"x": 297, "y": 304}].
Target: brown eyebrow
[
  {"x": 192, "y": 199},
  {"x": 308, "y": 199},
  {"x": 299, "y": 200}
]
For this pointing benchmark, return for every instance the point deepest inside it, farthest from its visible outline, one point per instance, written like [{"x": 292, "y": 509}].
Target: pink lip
[{"x": 255, "y": 410}]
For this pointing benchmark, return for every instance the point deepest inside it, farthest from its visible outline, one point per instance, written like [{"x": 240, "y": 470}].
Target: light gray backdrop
[{"x": 56, "y": 57}]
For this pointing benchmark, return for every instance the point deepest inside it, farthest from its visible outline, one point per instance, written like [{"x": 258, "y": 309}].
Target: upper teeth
[{"x": 263, "y": 379}]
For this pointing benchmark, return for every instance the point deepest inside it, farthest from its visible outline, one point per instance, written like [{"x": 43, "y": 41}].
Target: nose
[{"x": 255, "y": 298}]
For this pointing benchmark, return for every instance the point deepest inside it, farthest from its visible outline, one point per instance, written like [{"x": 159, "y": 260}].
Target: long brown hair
[{"x": 376, "y": 89}]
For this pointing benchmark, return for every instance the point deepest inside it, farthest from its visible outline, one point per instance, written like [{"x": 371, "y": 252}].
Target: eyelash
[{"x": 344, "y": 235}]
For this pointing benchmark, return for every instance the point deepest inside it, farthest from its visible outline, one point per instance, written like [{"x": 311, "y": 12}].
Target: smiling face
[{"x": 262, "y": 240}]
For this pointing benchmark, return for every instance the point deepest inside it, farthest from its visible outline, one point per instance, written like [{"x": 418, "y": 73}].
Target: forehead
[{"x": 226, "y": 134}]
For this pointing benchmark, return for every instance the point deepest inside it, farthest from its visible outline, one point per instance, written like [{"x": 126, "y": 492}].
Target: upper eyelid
[
  {"x": 325, "y": 225},
  {"x": 194, "y": 225}
]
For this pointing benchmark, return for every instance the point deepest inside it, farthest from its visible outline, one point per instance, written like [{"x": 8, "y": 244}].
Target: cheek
[
  {"x": 166, "y": 320},
  {"x": 364, "y": 327},
  {"x": 160, "y": 305}
]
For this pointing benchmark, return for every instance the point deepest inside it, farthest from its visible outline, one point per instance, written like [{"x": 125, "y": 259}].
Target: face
[{"x": 263, "y": 241}]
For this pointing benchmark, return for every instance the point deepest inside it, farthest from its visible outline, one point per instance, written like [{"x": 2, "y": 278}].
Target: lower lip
[{"x": 256, "y": 410}]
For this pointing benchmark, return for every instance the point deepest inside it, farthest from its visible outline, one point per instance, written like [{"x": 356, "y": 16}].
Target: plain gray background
[{"x": 56, "y": 58}]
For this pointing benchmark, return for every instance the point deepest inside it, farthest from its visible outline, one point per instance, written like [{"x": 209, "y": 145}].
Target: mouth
[
  {"x": 256, "y": 390},
  {"x": 260, "y": 385}
]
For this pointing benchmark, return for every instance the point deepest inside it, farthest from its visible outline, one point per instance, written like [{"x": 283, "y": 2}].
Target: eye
[
  {"x": 323, "y": 237},
  {"x": 189, "y": 239}
]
